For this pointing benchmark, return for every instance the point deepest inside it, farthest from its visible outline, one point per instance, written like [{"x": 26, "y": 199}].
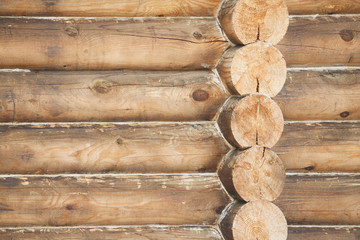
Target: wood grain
[
  {"x": 110, "y": 43},
  {"x": 91, "y": 148},
  {"x": 109, "y": 96},
  {"x": 322, "y": 41},
  {"x": 157, "y": 8},
  {"x": 111, "y": 200},
  {"x": 321, "y": 95},
  {"x": 110, "y": 8},
  {"x": 320, "y": 199},
  {"x": 324, "y": 233},
  {"x": 136, "y": 233},
  {"x": 299, "y": 7},
  {"x": 320, "y": 146}
]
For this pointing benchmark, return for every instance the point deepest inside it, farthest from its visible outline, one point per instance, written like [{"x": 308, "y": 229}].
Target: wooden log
[
  {"x": 254, "y": 220},
  {"x": 316, "y": 199},
  {"x": 246, "y": 21},
  {"x": 113, "y": 233},
  {"x": 299, "y": 7},
  {"x": 324, "y": 233},
  {"x": 321, "y": 95},
  {"x": 310, "y": 41},
  {"x": 130, "y": 148},
  {"x": 111, "y": 200},
  {"x": 109, "y": 96},
  {"x": 254, "y": 120},
  {"x": 320, "y": 146},
  {"x": 253, "y": 174},
  {"x": 103, "y": 44},
  {"x": 255, "y": 68}
]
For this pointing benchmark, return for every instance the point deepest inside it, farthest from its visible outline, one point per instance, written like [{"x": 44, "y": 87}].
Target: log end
[
  {"x": 259, "y": 220},
  {"x": 258, "y": 173},
  {"x": 247, "y": 21},
  {"x": 254, "y": 68},
  {"x": 254, "y": 120}
]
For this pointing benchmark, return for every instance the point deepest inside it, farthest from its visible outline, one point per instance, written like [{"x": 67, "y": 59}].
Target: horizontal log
[
  {"x": 86, "y": 148},
  {"x": 314, "y": 199},
  {"x": 111, "y": 200},
  {"x": 96, "y": 96},
  {"x": 324, "y": 233},
  {"x": 147, "y": 233},
  {"x": 322, "y": 41},
  {"x": 109, "y": 96},
  {"x": 113, "y": 233},
  {"x": 321, "y": 95},
  {"x": 162, "y": 43},
  {"x": 320, "y": 146},
  {"x": 103, "y": 44},
  {"x": 156, "y": 8}
]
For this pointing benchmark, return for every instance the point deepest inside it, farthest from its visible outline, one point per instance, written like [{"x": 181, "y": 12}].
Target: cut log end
[
  {"x": 258, "y": 173},
  {"x": 255, "y": 68},
  {"x": 246, "y": 21},
  {"x": 255, "y": 120}
]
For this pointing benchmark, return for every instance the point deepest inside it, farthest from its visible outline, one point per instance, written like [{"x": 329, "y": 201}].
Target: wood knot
[
  {"x": 344, "y": 114},
  {"x": 347, "y": 35},
  {"x": 309, "y": 168},
  {"x": 72, "y": 31},
  {"x": 197, "y": 35},
  {"x": 200, "y": 95},
  {"x": 69, "y": 207},
  {"x": 101, "y": 86}
]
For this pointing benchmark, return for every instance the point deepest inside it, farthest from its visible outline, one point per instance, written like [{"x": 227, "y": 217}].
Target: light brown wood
[
  {"x": 109, "y": 96},
  {"x": 254, "y": 68},
  {"x": 254, "y": 220},
  {"x": 320, "y": 147},
  {"x": 322, "y": 41},
  {"x": 113, "y": 8},
  {"x": 113, "y": 233},
  {"x": 251, "y": 120},
  {"x": 324, "y": 233},
  {"x": 253, "y": 174},
  {"x": 128, "y": 148},
  {"x": 111, "y": 200},
  {"x": 332, "y": 200},
  {"x": 321, "y": 95},
  {"x": 108, "y": 44},
  {"x": 247, "y": 21},
  {"x": 323, "y": 7}
]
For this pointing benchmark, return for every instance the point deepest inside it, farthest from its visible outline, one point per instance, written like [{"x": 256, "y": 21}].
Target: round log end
[
  {"x": 259, "y": 220},
  {"x": 247, "y": 21},
  {"x": 255, "y": 120},
  {"x": 258, "y": 173},
  {"x": 254, "y": 68}
]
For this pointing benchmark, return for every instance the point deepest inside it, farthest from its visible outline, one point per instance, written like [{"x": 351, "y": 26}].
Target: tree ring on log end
[
  {"x": 254, "y": 68},
  {"x": 259, "y": 220},
  {"x": 254, "y": 120},
  {"x": 247, "y": 21},
  {"x": 258, "y": 173}
]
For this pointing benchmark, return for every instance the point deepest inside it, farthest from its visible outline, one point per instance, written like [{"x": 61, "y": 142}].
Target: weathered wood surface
[
  {"x": 162, "y": 43},
  {"x": 109, "y": 96},
  {"x": 321, "y": 95},
  {"x": 156, "y": 8},
  {"x": 111, "y": 200},
  {"x": 324, "y": 233},
  {"x": 88, "y": 148},
  {"x": 332, "y": 200},
  {"x": 322, "y": 41},
  {"x": 100, "y": 44},
  {"x": 320, "y": 146},
  {"x": 139, "y": 95},
  {"x": 114, "y": 233},
  {"x": 323, "y": 6}
]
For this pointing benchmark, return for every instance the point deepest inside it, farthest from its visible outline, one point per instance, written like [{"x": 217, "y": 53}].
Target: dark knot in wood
[
  {"x": 347, "y": 35},
  {"x": 200, "y": 95}
]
